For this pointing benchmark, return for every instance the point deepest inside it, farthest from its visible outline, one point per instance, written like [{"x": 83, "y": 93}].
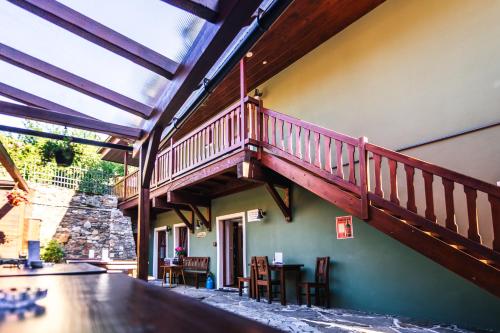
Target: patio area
[{"x": 294, "y": 318}]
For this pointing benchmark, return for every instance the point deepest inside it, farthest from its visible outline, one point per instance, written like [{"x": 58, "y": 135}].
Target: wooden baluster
[
  {"x": 253, "y": 111},
  {"x": 212, "y": 140},
  {"x": 282, "y": 135},
  {"x": 273, "y": 131},
  {"x": 298, "y": 145},
  {"x": 195, "y": 148},
  {"x": 226, "y": 131},
  {"x": 307, "y": 145},
  {"x": 317, "y": 149},
  {"x": 328, "y": 154},
  {"x": 290, "y": 138},
  {"x": 471, "y": 197},
  {"x": 450, "y": 205},
  {"x": 377, "y": 163},
  {"x": 393, "y": 177},
  {"x": 340, "y": 171},
  {"x": 495, "y": 217},
  {"x": 238, "y": 125},
  {"x": 429, "y": 196},
  {"x": 265, "y": 128},
  {"x": 352, "y": 170},
  {"x": 410, "y": 203}
]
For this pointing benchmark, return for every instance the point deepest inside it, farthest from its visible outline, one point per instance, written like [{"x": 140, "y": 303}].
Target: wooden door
[{"x": 162, "y": 251}]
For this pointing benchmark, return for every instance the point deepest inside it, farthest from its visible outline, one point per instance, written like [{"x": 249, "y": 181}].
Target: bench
[{"x": 198, "y": 266}]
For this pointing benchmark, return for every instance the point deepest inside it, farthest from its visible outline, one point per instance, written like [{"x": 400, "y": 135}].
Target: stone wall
[{"x": 83, "y": 222}]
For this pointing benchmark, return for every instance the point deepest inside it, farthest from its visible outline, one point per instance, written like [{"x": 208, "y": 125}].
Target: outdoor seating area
[
  {"x": 270, "y": 280},
  {"x": 196, "y": 267},
  {"x": 251, "y": 166}
]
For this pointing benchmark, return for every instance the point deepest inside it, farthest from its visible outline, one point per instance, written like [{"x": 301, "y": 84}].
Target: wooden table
[
  {"x": 56, "y": 269},
  {"x": 171, "y": 269},
  {"x": 281, "y": 269},
  {"x": 102, "y": 303}
]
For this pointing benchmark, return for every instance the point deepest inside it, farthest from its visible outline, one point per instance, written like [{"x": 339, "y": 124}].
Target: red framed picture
[{"x": 344, "y": 227}]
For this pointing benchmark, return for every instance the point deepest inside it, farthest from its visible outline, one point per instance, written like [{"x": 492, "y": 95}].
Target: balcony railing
[{"x": 225, "y": 133}]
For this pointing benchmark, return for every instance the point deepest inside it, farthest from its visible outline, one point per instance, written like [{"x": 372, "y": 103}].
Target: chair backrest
[
  {"x": 196, "y": 263},
  {"x": 262, "y": 267},
  {"x": 322, "y": 273}
]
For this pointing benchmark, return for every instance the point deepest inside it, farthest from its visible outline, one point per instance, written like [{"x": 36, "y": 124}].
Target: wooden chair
[
  {"x": 246, "y": 279},
  {"x": 321, "y": 282},
  {"x": 262, "y": 273}
]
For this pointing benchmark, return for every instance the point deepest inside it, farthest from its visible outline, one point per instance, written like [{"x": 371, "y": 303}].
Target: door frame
[
  {"x": 219, "y": 220},
  {"x": 155, "y": 247},
  {"x": 174, "y": 230}
]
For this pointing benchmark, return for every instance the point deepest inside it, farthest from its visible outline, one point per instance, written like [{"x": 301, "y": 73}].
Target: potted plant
[
  {"x": 63, "y": 152},
  {"x": 180, "y": 252},
  {"x": 52, "y": 252}
]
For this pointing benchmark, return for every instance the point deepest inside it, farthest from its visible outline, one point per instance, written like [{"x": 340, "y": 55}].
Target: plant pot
[{"x": 64, "y": 157}]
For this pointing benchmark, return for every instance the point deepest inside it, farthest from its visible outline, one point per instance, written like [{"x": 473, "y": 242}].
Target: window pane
[
  {"x": 166, "y": 29},
  {"x": 57, "y": 93},
  {"x": 41, "y": 39}
]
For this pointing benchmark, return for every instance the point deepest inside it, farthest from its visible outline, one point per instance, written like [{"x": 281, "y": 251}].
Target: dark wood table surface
[
  {"x": 56, "y": 269},
  {"x": 102, "y": 303}
]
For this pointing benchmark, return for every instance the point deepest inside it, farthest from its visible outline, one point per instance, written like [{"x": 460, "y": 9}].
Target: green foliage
[
  {"x": 34, "y": 151},
  {"x": 52, "y": 252},
  {"x": 62, "y": 151}
]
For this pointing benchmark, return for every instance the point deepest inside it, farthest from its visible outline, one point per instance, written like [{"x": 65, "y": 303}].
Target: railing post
[
  {"x": 243, "y": 93},
  {"x": 364, "y": 176},
  {"x": 171, "y": 160},
  {"x": 260, "y": 127}
]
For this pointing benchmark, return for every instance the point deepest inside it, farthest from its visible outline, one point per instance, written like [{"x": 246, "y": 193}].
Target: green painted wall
[{"x": 371, "y": 272}]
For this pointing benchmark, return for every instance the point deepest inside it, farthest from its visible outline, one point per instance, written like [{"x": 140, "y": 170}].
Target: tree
[{"x": 27, "y": 150}]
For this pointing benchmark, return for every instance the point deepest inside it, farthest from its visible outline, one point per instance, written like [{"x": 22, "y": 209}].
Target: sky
[{"x": 157, "y": 25}]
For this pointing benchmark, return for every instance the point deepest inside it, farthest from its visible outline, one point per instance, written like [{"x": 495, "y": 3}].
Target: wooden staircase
[
  {"x": 313, "y": 157},
  {"x": 415, "y": 202}
]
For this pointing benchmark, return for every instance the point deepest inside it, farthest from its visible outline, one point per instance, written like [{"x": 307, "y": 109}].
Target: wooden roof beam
[
  {"x": 99, "y": 34},
  {"x": 11, "y": 168},
  {"x": 205, "y": 9},
  {"x": 23, "y": 111},
  {"x": 178, "y": 197},
  {"x": 70, "y": 80},
  {"x": 33, "y": 100},
  {"x": 209, "y": 46}
]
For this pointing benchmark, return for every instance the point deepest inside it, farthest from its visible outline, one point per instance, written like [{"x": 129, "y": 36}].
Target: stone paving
[{"x": 294, "y": 318}]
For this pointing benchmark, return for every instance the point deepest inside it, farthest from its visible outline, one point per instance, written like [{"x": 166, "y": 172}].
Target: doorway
[
  {"x": 160, "y": 246},
  {"x": 181, "y": 237},
  {"x": 231, "y": 254}
]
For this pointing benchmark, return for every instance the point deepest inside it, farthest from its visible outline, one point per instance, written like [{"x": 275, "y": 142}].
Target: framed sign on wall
[{"x": 344, "y": 227}]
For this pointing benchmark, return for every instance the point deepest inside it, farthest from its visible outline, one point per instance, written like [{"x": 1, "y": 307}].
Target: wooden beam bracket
[
  {"x": 204, "y": 220},
  {"x": 284, "y": 204},
  {"x": 189, "y": 224}
]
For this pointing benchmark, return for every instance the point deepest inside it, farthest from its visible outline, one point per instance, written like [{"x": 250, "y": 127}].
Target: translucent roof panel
[
  {"x": 52, "y": 91},
  {"x": 33, "y": 35},
  {"x": 163, "y": 28}
]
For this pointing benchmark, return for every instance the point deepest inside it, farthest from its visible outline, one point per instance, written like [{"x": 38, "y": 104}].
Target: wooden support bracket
[
  {"x": 284, "y": 204},
  {"x": 205, "y": 221},
  {"x": 184, "y": 219}
]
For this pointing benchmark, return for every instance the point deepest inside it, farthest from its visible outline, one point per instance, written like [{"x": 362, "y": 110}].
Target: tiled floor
[{"x": 294, "y": 318}]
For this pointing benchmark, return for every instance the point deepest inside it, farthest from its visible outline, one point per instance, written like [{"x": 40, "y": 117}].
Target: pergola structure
[{"x": 77, "y": 64}]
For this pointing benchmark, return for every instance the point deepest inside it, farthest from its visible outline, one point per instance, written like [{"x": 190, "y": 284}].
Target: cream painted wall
[{"x": 409, "y": 71}]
